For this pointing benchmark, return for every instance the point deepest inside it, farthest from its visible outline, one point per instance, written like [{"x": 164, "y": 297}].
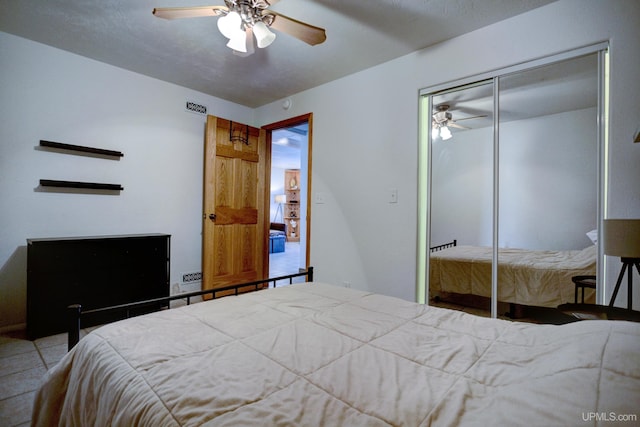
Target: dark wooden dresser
[{"x": 96, "y": 272}]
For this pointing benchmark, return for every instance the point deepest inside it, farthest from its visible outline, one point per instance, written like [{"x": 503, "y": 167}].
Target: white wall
[
  {"x": 549, "y": 181},
  {"x": 548, "y": 184},
  {"x": 50, "y": 94},
  {"x": 366, "y": 131},
  {"x": 462, "y": 188}
]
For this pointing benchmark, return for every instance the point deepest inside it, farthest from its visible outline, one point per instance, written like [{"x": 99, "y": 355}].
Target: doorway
[
  {"x": 234, "y": 213},
  {"x": 289, "y": 145}
]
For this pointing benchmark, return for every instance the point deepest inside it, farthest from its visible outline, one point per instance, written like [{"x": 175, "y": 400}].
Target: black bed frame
[
  {"x": 75, "y": 312},
  {"x": 444, "y": 246}
]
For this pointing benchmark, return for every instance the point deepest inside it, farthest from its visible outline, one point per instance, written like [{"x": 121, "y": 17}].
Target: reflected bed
[{"x": 525, "y": 277}]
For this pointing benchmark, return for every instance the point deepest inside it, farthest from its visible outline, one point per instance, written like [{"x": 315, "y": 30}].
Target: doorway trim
[{"x": 269, "y": 128}]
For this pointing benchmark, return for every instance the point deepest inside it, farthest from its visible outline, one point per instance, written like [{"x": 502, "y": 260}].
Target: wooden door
[{"x": 234, "y": 229}]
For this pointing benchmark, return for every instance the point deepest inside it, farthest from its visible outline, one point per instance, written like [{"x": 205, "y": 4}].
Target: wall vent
[
  {"x": 194, "y": 107},
  {"x": 191, "y": 277}
]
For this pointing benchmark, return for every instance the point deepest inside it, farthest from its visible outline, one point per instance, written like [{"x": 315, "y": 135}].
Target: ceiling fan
[
  {"x": 242, "y": 20},
  {"x": 442, "y": 120}
]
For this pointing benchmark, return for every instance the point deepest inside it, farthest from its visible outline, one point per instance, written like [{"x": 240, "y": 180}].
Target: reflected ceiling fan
[
  {"x": 242, "y": 20},
  {"x": 442, "y": 120}
]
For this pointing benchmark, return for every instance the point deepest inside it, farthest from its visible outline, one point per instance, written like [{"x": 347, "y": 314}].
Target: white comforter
[
  {"x": 320, "y": 355},
  {"x": 540, "y": 278}
]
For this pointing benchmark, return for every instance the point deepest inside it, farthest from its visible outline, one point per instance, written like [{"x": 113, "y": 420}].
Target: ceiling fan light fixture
[
  {"x": 242, "y": 17},
  {"x": 445, "y": 133},
  {"x": 264, "y": 36},
  {"x": 434, "y": 132},
  {"x": 238, "y": 42},
  {"x": 230, "y": 24}
]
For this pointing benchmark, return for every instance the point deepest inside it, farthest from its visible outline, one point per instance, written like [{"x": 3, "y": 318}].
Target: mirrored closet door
[
  {"x": 514, "y": 178},
  {"x": 462, "y": 171},
  {"x": 548, "y": 182}
]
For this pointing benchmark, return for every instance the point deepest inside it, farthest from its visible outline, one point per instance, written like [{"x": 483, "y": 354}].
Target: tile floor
[
  {"x": 287, "y": 262},
  {"x": 22, "y": 366}
]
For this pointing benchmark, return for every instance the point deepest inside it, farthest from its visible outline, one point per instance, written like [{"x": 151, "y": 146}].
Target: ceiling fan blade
[
  {"x": 300, "y": 30},
  {"x": 188, "y": 12},
  {"x": 452, "y": 124},
  {"x": 469, "y": 118}
]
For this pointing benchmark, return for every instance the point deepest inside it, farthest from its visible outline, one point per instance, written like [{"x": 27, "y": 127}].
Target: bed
[
  {"x": 314, "y": 354},
  {"x": 525, "y": 277}
]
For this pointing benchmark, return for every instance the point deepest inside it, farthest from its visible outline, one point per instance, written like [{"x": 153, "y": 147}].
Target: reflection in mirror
[
  {"x": 461, "y": 194},
  {"x": 547, "y": 185},
  {"x": 548, "y": 172}
]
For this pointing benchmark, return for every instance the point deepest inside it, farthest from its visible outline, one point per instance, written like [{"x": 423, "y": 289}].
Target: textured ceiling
[
  {"x": 551, "y": 89},
  {"x": 192, "y": 53}
]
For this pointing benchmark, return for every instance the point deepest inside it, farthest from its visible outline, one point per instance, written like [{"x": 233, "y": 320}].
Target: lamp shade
[
  {"x": 621, "y": 237},
  {"x": 445, "y": 133},
  {"x": 281, "y": 198},
  {"x": 230, "y": 24},
  {"x": 238, "y": 42},
  {"x": 264, "y": 37}
]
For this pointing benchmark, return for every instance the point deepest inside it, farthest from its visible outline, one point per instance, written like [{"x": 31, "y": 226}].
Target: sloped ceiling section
[{"x": 192, "y": 52}]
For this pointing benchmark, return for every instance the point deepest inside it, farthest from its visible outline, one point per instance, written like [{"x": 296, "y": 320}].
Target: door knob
[{"x": 212, "y": 217}]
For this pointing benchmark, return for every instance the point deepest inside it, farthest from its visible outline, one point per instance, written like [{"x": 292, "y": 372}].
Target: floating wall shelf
[
  {"x": 81, "y": 148},
  {"x": 77, "y": 184}
]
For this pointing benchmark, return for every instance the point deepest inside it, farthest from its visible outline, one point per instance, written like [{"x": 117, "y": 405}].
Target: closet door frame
[{"x": 425, "y": 162}]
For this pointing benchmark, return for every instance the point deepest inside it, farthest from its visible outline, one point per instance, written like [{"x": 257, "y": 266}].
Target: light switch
[
  {"x": 319, "y": 197},
  {"x": 393, "y": 195}
]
